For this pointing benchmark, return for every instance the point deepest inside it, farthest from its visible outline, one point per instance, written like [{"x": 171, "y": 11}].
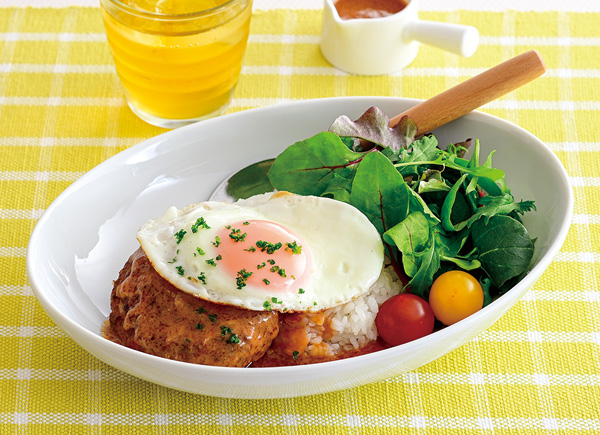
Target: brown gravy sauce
[
  {"x": 350, "y": 9},
  {"x": 293, "y": 346},
  {"x": 274, "y": 358}
]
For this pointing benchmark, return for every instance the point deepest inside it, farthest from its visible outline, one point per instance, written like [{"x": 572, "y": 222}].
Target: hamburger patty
[{"x": 149, "y": 314}]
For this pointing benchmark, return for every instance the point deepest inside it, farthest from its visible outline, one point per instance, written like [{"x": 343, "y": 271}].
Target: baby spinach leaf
[
  {"x": 505, "y": 248},
  {"x": 410, "y": 236},
  {"x": 379, "y": 191},
  {"x": 339, "y": 188},
  {"x": 308, "y": 166}
]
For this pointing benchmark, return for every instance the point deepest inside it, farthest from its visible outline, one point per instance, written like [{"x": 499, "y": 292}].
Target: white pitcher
[{"x": 375, "y": 46}]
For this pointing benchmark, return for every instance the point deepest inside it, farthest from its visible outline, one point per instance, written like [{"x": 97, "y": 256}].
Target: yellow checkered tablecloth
[{"x": 62, "y": 112}]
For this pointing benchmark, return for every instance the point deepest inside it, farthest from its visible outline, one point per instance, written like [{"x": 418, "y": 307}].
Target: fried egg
[{"x": 280, "y": 252}]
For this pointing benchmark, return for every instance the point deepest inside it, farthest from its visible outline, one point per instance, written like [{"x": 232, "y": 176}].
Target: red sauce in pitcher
[{"x": 349, "y": 9}]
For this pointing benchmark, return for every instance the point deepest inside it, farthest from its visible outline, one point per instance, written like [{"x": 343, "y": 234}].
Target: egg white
[{"x": 346, "y": 252}]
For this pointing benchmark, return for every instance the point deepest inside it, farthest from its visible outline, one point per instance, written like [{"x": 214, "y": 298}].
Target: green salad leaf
[
  {"x": 425, "y": 149},
  {"x": 505, "y": 248},
  {"x": 379, "y": 191},
  {"x": 309, "y": 166},
  {"x": 374, "y": 127}
]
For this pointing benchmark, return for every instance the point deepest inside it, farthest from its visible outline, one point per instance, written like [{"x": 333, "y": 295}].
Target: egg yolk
[{"x": 264, "y": 254}]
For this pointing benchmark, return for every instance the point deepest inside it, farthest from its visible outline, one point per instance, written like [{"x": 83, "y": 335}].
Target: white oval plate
[{"x": 86, "y": 235}]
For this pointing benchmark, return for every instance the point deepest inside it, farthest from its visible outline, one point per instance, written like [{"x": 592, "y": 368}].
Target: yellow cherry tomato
[{"x": 455, "y": 295}]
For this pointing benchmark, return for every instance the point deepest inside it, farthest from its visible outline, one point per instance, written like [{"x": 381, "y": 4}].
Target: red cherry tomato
[
  {"x": 403, "y": 318},
  {"x": 455, "y": 295}
]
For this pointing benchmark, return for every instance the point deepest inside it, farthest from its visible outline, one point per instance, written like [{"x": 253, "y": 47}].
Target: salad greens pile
[{"x": 435, "y": 209}]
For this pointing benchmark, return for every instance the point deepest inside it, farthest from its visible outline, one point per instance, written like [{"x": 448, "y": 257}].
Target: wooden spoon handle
[{"x": 475, "y": 92}]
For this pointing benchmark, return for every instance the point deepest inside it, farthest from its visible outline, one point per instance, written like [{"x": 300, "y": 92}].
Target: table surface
[{"x": 62, "y": 112}]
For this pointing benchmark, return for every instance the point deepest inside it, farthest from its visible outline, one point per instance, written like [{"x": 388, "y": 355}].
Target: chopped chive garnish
[
  {"x": 242, "y": 277},
  {"x": 233, "y": 339},
  {"x": 200, "y": 251},
  {"x": 179, "y": 235},
  {"x": 300, "y": 291},
  {"x": 279, "y": 271},
  {"x": 237, "y": 236},
  {"x": 200, "y": 223},
  {"x": 213, "y": 317},
  {"x": 266, "y": 281},
  {"x": 199, "y": 326},
  {"x": 200, "y": 310},
  {"x": 268, "y": 247},
  {"x": 225, "y": 330},
  {"x": 211, "y": 262},
  {"x": 296, "y": 354},
  {"x": 202, "y": 278},
  {"x": 267, "y": 305},
  {"x": 180, "y": 270},
  {"x": 217, "y": 242},
  {"x": 294, "y": 247}
]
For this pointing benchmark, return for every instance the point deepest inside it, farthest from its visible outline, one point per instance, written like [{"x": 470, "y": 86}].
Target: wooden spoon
[
  {"x": 475, "y": 92},
  {"x": 428, "y": 115}
]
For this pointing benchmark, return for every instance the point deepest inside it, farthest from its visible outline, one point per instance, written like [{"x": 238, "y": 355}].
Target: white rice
[{"x": 353, "y": 323}]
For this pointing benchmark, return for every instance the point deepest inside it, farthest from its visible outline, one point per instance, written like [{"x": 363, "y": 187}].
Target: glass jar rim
[{"x": 160, "y": 16}]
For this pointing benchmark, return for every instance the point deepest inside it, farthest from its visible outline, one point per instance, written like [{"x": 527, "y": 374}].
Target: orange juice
[{"x": 177, "y": 65}]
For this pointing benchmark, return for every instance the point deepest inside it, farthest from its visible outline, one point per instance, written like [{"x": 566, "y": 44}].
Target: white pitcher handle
[{"x": 455, "y": 38}]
